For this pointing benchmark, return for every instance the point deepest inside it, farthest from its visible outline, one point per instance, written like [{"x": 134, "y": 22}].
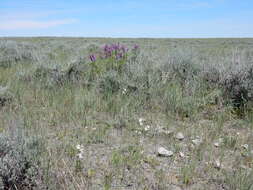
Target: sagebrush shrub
[
  {"x": 238, "y": 86},
  {"x": 5, "y": 96},
  {"x": 20, "y": 163},
  {"x": 12, "y": 52}
]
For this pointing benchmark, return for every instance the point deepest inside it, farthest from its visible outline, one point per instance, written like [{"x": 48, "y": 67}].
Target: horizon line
[{"x": 143, "y": 37}]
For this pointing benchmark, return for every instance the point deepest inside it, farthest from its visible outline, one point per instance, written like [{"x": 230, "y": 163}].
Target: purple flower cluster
[
  {"x": 93, "y": 57},
  {"x": 115, "y": 51}
]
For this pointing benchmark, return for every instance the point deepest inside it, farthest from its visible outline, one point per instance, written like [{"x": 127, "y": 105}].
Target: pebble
[
  {"x": 217, "y": 164},
  {"x": 219, "y": 142},
  {"x": 181, "y": 154},
  {"x": 216, "y": 144},
  {"x": 245, "y": 146},
  {"x": 164, "y": 152},
  {"x": 180, "y": 136}
]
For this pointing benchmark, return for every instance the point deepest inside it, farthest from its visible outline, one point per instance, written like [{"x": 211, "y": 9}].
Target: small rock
[
  {"x": 217, "y": 164},
  {"x": 181, "y": 154},
  {"x": 180, "y": 136},
  {"x": 216, "y": 144},
  {"x": 164, "y": 152},
  {"x": 219, "y": 142},
  {"x": 245, "y": 146}
]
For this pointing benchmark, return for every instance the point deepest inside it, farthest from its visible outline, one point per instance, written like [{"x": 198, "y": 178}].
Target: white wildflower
[
  {"x": 147, "y": 128},
  {"x": 80, "y": 149},
  {"x": 141, "y": 120},
  {"x": 124, "y": 91}
]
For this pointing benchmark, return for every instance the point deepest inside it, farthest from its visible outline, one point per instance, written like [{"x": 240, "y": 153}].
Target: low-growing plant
[{"x": 20, "y": 162}]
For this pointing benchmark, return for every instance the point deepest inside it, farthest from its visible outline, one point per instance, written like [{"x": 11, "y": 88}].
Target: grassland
[{"x": 62, "y": 126}]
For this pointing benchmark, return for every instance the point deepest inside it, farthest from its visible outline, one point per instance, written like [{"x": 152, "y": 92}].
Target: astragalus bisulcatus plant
[{"x": 111, "y": 57}]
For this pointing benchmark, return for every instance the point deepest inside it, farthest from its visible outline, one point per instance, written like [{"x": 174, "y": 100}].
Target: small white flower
[
  {"x": 141, "y": 120},
  {"x": 124, "y": 91},
  {"x": 79, "y": 147},
  {"x": 147, "y": 128}
]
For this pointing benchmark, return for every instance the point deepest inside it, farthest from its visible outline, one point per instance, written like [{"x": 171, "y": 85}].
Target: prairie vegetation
[{"x": 79, "y": 113}]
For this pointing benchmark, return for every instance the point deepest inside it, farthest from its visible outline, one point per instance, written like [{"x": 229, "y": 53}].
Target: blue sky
[{"x": 127, "y": 18}]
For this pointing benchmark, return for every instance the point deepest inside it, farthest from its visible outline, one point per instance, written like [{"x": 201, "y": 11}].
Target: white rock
[
  {"x": 216, "y": 144},
  {"x": 180, "y": 136},
  {"x": 245, "y": 146},
  {"x": 219, "y": 142},
  {"x": 181, "y": 154},
  {"x": 164, "y": 152},
  {"x": 80, "y": 155},
  {"x": 217, "y": 164}
]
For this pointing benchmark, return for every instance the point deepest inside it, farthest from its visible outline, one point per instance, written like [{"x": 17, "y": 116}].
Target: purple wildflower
[
  {"x": 136, "y": 47},
  {"x": 93, "y": 58},
  {"x": 115, "y": 47},
  {"x": 119, "y": 56},
  {"x": 123, "y": 49}
]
